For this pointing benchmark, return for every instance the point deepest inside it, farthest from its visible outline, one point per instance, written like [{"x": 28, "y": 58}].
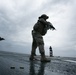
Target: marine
[{"x": 39, "y": 30}]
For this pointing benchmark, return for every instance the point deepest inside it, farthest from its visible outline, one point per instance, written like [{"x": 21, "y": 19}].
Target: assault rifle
[{"x": 50, "y": 26}]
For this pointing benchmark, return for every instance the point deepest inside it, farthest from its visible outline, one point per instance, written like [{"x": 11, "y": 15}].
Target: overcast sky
[{"x": 17, "y": 18}]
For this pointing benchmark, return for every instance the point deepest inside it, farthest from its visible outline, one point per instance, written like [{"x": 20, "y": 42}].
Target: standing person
[
  {"x": 39, "y": 30},
  {"x": 51, "y": 51}
]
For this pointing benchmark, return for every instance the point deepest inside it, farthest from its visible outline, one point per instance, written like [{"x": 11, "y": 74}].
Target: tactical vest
[{"x": 40, "y": 28}]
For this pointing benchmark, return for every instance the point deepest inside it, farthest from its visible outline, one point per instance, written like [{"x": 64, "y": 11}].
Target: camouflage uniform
[{"x": 38, "y": 31}]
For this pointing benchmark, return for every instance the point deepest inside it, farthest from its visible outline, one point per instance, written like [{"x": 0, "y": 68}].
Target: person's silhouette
[{"x": 40, "y": 29}]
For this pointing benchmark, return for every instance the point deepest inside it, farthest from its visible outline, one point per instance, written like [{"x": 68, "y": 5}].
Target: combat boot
[
  {"x": 44, "y": 59},
  {"x": 31, "y": 57}
]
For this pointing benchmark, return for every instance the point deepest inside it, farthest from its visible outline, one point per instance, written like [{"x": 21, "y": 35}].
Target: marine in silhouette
[
  {"x": 39, "y": 30},
  {"x": 51, "y": 51}
]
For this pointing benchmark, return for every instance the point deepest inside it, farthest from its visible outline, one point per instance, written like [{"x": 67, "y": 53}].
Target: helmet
[{"x": 44, "y": 16}]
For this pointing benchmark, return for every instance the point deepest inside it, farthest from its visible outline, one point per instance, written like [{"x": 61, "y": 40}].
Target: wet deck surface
[{"x": 19, "y": 64}]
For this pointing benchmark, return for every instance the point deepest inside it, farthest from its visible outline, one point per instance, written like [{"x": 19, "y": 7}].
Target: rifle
[{"x": 50, "y": 26}]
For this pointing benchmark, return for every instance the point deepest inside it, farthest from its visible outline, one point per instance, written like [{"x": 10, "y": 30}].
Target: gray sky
[{"x": 17, "y": 18}]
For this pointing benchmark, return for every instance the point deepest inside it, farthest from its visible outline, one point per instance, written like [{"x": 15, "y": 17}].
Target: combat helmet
[{"x": 44, "y": 16}]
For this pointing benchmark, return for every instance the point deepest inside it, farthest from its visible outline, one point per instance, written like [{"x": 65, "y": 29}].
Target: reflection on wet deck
[{"x": 19, "y": 64}]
